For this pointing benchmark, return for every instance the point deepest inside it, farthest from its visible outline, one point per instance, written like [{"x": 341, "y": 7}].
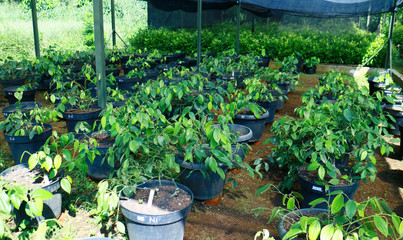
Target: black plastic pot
[
  {"x": 397, "y": 113},
  {"x": 21, "y": 146},
  {"x": 371, "y": 82},
  {"x": 245, "y": 134},
  {"x": 300, "y": 212},
  {"x": 263, "y": 61},
  {"x": 204, "y": 184},
  {"x": 72, "y": 118},
  {"x": 157, "y": 227},
  {"x": 99, "y": 169},
  {"x": 257, "y": 125},
  {"x": 127, "y": 84},
  {"x": 25, "y": 107},
  {"x": 310, "y": 70},
  {"x": 52, "y": 208},
  {"x": 27, "y": 96},
  {"x": 385, "y": 86},
  {"x": 311, "y": 191},
  {"x": 11, "y": 83},
  {"x": 271, "y": 108}
]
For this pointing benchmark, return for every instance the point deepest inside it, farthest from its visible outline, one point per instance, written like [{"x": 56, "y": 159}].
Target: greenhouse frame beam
[
  {"x": 35, "y": 28},
  {"x": 238, "y": 22},
  {"x": 199, "y": 27},
  {"x": 99, "y": 52},
  {"x": 388, "y": 61},
  {"x": 113, "y": 23}
]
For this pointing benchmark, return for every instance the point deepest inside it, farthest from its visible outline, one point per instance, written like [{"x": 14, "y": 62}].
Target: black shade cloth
[{"x": 263, "y": 8}]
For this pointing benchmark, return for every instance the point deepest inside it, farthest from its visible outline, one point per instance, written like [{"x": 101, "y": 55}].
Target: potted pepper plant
[{"x": 310, "y": 65}]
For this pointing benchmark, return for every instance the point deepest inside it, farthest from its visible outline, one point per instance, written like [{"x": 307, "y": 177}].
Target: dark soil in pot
[
  {"x": 165, "y": 218},
  {"x": 33, "y": 179},
  {"x": 311, "y": 190},
  {"x": 27, "y": 96}
]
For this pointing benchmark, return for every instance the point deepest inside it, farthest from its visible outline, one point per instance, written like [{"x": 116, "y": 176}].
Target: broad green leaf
[
  {"x": 134, "y": 146},
  {"x": 348, "y": 114},
  {"x": 57, "y": 161},
  {"x": 314, "y": 230},
  {"x": 317, "y": 201},
  {"x": 66, "y": 185},
  {"x": 321, "y": 173},
  {"x": 263, "y": 189},
  {"x": 338, "y": 235},
  {"x": 337, "y": 204},
  {"x": 327, "y": 232},
  {"x": 334, "y": 181},
  {"x": 351, "y": 208},
  {"x": 103, "y": 122},
  {"x": 291, "y": 204},
  {"x": 5, "y": 205},
  {"x": 381, "y": 224},
  {"x": 121, "y": 227},
  {"x": 42, "y": 194},
  {"x": 364, "y": 155}
]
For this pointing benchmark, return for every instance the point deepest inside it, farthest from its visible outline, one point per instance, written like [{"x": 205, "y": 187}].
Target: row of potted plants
[
  {"x": 163, "y": 129},
  {"x": 330, "y": 149}
]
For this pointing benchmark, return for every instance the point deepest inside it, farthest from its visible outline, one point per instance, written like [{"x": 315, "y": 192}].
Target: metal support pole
[
  {"x": 113, "y": 23},
  {"x": 35, "y": 27},
  {"x": 238, "y": 27},
  {"x": 389, "y": 55},
  {"x": 99, "y": 53},
  {"x": 199, "y": 26},
  {"x": 253, "y": 23}
]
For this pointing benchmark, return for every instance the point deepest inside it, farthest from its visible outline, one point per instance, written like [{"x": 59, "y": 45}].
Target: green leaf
[
  {"x": 263, "y": 189},
  {"x": 292, "y": 233},
  {"x": 334, "y": 181},
  {"x": 314, "y": 230},
  {"x": 327, "y": 232},
  {"x": 291, "y": 204},
  {"x": 103, "y": 122},
  {"x": 5, "y": 205},
  {"x": 381, "y": 224},
  {"x": 121, "y": 227},
  {"x": 321, "y": 172},
  {"x": 337, "y": 204},
  {"x": 383, "y": 150},
  {"x": 348, "y": 114},
  {"x": 364, "y": 155},
  {"x": 66, "y": 185},
  {"x": 134, "y": 146},
  {"x": 351, "y": 208},
  {"x": 57, "y": 161},
  {"x": 317, "y": 201},
  {"x": 42, "y": 194},
  {"x": 338, "y": 235}
]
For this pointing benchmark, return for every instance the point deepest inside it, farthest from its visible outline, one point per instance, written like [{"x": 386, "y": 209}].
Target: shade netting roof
[{"x": 313, "y": 8}]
